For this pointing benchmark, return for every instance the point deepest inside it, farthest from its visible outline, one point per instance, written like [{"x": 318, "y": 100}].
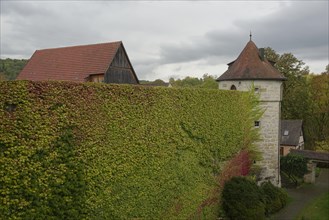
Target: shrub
[
  {"x": 294, "y": 166},
  {"x": 275, "y": 198},
  {"x": 243, "y": 199}
]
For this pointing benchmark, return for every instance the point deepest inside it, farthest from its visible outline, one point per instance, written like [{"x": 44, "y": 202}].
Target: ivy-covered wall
[{"x": 98, "y": 151}]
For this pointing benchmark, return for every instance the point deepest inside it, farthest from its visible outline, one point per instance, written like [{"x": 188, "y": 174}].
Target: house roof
[
  {"x": 74, "y": 63},
  {"x": 290, "y": 132},
  {"x": 250, "y": 65},
  {"x": 313, "y": 155}
]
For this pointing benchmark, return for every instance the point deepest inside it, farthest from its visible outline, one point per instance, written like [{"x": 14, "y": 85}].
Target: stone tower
[{"x": 252, "y": 68}]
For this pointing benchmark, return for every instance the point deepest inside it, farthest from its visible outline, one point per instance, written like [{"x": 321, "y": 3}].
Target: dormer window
[{"x": 233, "y": 87}]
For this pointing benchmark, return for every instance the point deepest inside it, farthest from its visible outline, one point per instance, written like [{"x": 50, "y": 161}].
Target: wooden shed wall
[{"x": 120, "y": 70}]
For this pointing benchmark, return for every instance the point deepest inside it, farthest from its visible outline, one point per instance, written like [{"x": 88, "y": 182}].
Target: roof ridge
[{"x": 84, "y": 45}]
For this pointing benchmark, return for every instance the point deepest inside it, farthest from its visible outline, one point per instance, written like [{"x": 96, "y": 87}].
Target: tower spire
[{"x": 250, "y": 35}]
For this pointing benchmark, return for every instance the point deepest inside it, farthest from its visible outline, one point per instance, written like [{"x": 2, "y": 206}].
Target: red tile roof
[
  {"x": 250, "y": 65},
  {"x": 69, "y": 63}
]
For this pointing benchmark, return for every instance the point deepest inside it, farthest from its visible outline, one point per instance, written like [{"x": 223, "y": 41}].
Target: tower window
[
  {"x": 233, "y": 87},
  {"x": 257, "y": 124}
]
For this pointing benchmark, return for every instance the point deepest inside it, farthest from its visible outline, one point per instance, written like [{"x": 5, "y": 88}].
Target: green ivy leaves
[{"x": 99, "y": 151}]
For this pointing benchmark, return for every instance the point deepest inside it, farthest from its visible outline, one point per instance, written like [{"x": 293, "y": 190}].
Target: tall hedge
[{"x": 97, "y": 151}]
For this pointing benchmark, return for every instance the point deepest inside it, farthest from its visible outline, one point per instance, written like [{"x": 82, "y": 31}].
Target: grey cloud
[
  {"x": 159, "y": 33},
  {"x": 40, "y": 27},
  {"x": 179, "y": 53},
  {"x": 145, "y": 70},
  {"x": 298, "y": 27},
  {"x": 23, "y": 8},
  {"x": 215, "y": 43},
  {"x": 302, "y": 26}
]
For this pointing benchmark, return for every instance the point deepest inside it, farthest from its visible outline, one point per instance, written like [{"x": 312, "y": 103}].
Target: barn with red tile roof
[{"x": 105, "y": 62}]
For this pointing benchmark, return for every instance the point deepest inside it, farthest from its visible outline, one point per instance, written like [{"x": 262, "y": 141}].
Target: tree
[
  {"x": 322, "y": 146},
  {"x": 295, "y": 93},
  {"x": 208, "y": 82},
  {"x": 318, "y": 120},
  {"x": 187, "y": 82},
  {"x": 305, "y": 96},
  {"x": 157, "y": 82},
  {"x": 10, "y": 68},
  {"x": 2, "y": 77},
  {"x": 326, "y": 72}
]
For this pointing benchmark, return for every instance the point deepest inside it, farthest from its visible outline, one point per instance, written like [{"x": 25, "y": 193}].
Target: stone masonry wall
[
  {"x": 269, "y": 143},
  {"x": 270, "y": 100}
]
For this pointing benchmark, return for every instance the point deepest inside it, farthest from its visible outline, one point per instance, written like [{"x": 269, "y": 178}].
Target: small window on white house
[
  {"x": 257, "y": 89},
  {"x": 286, "y": 133},
  {"x": 233, "y": 87},
  {"x": 257, "y": 124}
]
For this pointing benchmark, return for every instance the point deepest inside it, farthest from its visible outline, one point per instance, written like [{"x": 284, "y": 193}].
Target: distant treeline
[
  {"x": 10, "y": 68},
  {"x": 207, "y": 81}
]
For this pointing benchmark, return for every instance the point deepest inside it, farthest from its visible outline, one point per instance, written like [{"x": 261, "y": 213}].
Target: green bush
[
  {"x": 98, "y": 151},
  {"x": 275, "y": 198},
  {"x": 294, "y": 167},
  {"x": 243, "y": 199}
]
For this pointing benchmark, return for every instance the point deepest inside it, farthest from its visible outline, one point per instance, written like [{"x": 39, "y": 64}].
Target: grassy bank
[{"x": 317, "y": 209}]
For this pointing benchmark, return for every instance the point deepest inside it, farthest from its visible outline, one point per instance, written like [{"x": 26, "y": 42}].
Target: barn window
[
  {"x": 233, "y": 87},
  {"x": 257, "y": 124}
]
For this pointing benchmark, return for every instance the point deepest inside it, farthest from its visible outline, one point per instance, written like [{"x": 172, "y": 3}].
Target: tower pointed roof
[{"x": 251, "y": 64}]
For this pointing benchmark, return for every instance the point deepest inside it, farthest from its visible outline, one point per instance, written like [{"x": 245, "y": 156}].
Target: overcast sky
[{"x": 166, "y": 39}]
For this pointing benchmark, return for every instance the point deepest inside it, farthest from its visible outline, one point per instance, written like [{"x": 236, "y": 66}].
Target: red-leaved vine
[{"x": 238, "y": 166}]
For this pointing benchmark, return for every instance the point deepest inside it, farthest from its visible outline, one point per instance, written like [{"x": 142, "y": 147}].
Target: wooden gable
[{"x": 120, "y": 69}]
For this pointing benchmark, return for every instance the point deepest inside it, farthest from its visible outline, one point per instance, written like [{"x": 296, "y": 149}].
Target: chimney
[{"x": 262, "y": 53}]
